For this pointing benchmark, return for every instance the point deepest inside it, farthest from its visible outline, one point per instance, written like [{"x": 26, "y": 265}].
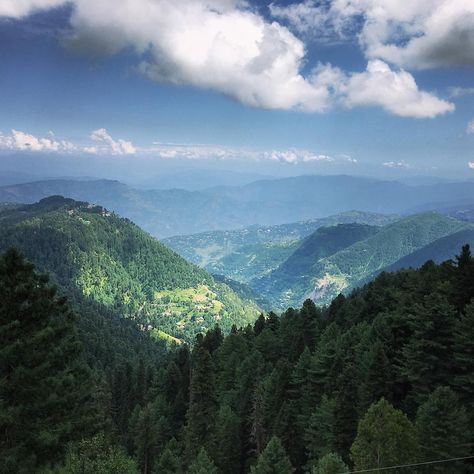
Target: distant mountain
[
  {"x": 332, "y": 271},
  {"x": 252, "y": 252},
  {"x": 165, "y": 213},
  {"x": 200, "y": 179},
  {"x": 91, "y": 251}
]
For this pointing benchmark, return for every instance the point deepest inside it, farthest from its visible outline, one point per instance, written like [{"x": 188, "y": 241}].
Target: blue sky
[{"x": 328, "y": 87}]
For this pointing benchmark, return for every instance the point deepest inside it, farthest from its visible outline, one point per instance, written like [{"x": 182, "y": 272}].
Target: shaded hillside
[
  {"x": 290, "y": 282},
  {"x": 115, "y": 264},
  {"x": 325, "y": 277},
  {"x": 439, "y": 251}
]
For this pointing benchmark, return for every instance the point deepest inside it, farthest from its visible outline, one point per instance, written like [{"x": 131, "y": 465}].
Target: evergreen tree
[
  {"x": 463, "y": 355},
  {"x": 227, "y": 441},
  {"x": 273, "y": 460},
  {"x": 345, "y": 412},
  {"x": 428, "y": 357},
  {"x": 150, "y": 429},
  {"x": 44, "y": 396},
  {"x": 319, "y": 436},
  {"x": 202, "y": 464},
  {"x": 464, "y": 278},
  {"x": 97, "y": 456},
  {"x": 444, "y": 431},
  {"x": 169, "y": 461},
  {"x": 377, "y": 377},
  {"x": 201, "y": 414},
  {"x": 331, "y": 463},
  {"x": 385, "y": 437}
]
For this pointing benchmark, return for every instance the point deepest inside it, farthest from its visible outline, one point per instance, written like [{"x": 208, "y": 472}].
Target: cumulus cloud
[
  {"x": 203, "y": 152},
  {"x": 471, "y": 165},
  {"x": 22, "y": 141},
  {"x": 18, "y": 140},
  {"x": 20, "y": 8},
  {"x": 395, "y": 91},
  {"x": 416, "y": 33},
  {"x": 397, "y": 164},
  {"x": 470, "y": 127},
  {"x": 226, "y": 46},
  {"x": 112, "y": 146},
  {"x": 317, "y": 19}
]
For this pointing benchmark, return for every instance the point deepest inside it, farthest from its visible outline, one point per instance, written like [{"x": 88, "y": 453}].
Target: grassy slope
[{"x": 115, "y": 263}]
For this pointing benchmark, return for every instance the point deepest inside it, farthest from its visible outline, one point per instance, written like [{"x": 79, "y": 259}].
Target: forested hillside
[
  {"x": 252, "y": 252},
  {"x": 339, "y": 259},
  {"x": 113, "y": 263},
  {"x": 379, "y": 379}
]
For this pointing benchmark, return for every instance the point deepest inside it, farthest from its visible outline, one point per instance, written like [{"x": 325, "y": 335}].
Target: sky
[{"x": 364, "y": 87}]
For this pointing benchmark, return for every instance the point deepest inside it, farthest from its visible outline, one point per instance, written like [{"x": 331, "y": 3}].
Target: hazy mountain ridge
[{"x": 171, "y": 212}]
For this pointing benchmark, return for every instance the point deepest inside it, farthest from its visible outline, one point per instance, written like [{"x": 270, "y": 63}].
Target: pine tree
[
  {"x": 201, "y": 414},
  {"x": 169, "y": 462},
  {"x": 97, "y": 455},
  {"x": 377, "y": 377},
  {"x": 463, "y": 355},
  {"x": 44, "y": 396},
  {"x": 331, "y": 463},
  {"x": 202, "y": 464},
  {"x": 273, "y": 460},
  {"x": 345, "y": 412},
  {"x": 464, "y": 278},
  {"x": 319, "y": 435},
  {"x": 227, "y": 441},
  {"x": 428, "y": 357},
  {"x": 444, "y": 431},
  {"x": 385, "y": 437},
  {"x": 150, "y": 429}
]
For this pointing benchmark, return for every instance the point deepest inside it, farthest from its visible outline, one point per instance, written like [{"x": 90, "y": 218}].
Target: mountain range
[{"x": 169, "y": 212}]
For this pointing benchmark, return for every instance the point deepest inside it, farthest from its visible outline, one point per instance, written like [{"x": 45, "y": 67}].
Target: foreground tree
[
  {"x": 330, "y": 464},
  {"x": 273, "y": 460},
  {"x": 444, "y": 431},
  {"x": 385, "y": 437},
  {"x": 202, "y": 464},
  {"x": 97, "y": 456},
  {"x": 44, "y": 399}
]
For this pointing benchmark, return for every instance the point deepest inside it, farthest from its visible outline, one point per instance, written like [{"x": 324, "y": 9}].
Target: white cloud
[
  {"x": 471, "y": 165},
  {"x": 203, "y": 152},
  {"x": 395, "y": 91},
  {"x": 22, "y": 141},
  {"x": 20, "y": 8},
  {"x": 397, "y": 164},
  {"x": 317, "y": 19},
  {"x": 456, "y": 92},
  {"x": 414, "y": 33},
  {"x": 226, "y": 46},
  {"x": 470, "y": 127},
  {"x": 114, "y": 147}
]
